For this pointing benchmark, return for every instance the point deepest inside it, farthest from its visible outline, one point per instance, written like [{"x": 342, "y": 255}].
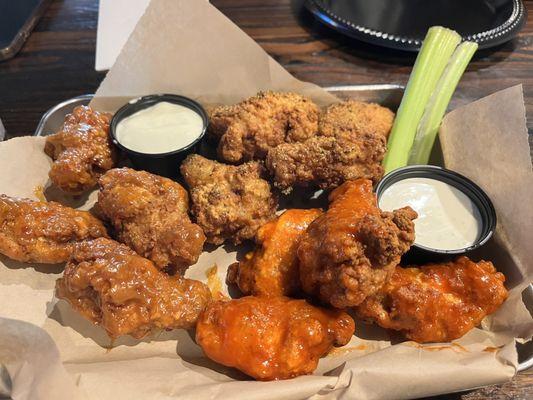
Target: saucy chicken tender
[
  {"x": 246, "y": 131},
  {"x": 112, "y": 286},
  {"x": 149, "y": 213},
  {"x": 81, "y": 150},
  {"x": 41, "y": 232},
  {"x": 272, "y": 268},
  {"x": 356, "y": 117},
  {"x": 437, "y": 302},
  {"x": 327, "y": 161},
  {"x": 229, "y": 202},
  {"x": 349, "y": 252},
  {"x": 271, "y": 338}
]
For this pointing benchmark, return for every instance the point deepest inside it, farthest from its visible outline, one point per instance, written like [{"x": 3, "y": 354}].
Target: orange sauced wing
[
  {"x": 272, "y": 268},
  {"x": 271, "y": 338},
  {"x": 437, "y": 302}
]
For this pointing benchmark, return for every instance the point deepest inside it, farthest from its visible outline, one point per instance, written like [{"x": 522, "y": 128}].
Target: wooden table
[{"x": 57, "y": 63}]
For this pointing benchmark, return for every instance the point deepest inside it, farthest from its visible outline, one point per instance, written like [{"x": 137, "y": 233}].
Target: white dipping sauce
[
  {"x": 161, "y": 128},
  {"x": 447, "y": 218}
]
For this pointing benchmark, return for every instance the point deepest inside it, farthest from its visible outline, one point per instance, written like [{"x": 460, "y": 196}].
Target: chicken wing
[
  {"x": 112, "y": 286},
  {"x": 247, "y": 131},
  {"x": 327, "y": 161},
  {"x": 356, "y": 117},
  {"x": 348, "y": 253},
  {"x": 272, "y": 269},
  {"x": 271, "y": 338},
  {"x": 229, "y": 202},
  {"x": 81, "y": 150},
  {"x": 437, "y": 302},
  {"x": 41, "y": 232},
  {"x": 149, "y": 213}
]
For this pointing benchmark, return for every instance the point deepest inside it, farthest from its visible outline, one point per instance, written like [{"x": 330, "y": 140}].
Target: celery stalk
[
  {"x": 437, "y": 48},
  {"x": 438, "y": 103}
]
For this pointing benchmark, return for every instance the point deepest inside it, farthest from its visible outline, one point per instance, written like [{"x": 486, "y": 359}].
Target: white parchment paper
[{"x": 188, "y": 47}]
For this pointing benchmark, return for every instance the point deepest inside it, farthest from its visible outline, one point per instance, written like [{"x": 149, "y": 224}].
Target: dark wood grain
[{"x": 57, "y": 63}]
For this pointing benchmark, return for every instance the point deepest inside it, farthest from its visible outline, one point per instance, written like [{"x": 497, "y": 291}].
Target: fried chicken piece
[
  {"x": 41, "y": 232},
  {"x": 437, "y": 302},
  {"x": 229, "y": 202},
  {"x": 356, "y": 117},
  {"x": 348, "y": 253},
  {"x": 112, "y": 286},
  {"x": 272, "y": 268},
  {"x": 271, "y": 338},
  {"x": 246, "y": 131},
  {"x": 327, "y": 161},
  {"x": 149, "y": 213},
  {"x": 81, "y": 150}
]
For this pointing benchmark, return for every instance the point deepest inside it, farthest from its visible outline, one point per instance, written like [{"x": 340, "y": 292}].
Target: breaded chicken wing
[
  {"x": 246, "y": 131},
  {"x": 272, "y": 268},
  {"x": 327, "y": 161},
  {"x": 229, "y": 202},
  {"x": 149, "y": 213},
  {"x": 348, "y": 253},
  {"x": 81, "y": 150},
  {"x": 41, "y": 232},
  {"x": 356, "y": 117},
  {"x": 112, "y": 286},
  {"x": 271, "y": 338},
  {"x": 437, "y": 302}
]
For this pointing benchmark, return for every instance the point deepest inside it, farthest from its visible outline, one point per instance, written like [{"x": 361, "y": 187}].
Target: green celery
[
  {"x": 437, "y": 48},
  {"x": 430, "y": 122}
]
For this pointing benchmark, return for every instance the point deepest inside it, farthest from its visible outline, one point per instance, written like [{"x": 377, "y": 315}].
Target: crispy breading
[
  {"x": 349, "y": 252},
  {"x": 229, "y": 202},
  {"x": 271, "y": 338},
  {"x": 246, "y": 131},
  {"x": 37, "y": 231},
  {"x": 82, "y": 150},
  {"x": 351, "y": 144},
  {"x": 112, "y": 286},
  {"x": 356, "y": 117},
  {"x": 436, "y": 302},
  {"x": 149, "y": 213},
  {"x": 272, "y": 268},
  {"x": 326, "y": 162}
]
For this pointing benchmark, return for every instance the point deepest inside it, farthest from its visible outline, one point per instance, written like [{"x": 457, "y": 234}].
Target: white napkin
[{"x": 116, "y": 20}]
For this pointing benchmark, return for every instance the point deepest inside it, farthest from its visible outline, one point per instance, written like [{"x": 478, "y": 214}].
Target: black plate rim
[{"x": 486, "y": 39}]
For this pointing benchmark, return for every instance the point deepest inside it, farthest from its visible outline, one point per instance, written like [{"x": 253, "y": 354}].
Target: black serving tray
[{"x": 402, "y": 24}]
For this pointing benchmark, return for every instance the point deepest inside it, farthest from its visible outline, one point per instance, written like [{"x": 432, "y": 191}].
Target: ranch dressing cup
[
  {"x": 454, "y": 215},
  {"x": 157, "y": 132}
]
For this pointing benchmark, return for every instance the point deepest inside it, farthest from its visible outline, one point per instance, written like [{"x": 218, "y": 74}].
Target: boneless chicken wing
[
  {"x": 350, "y": 144},
  {"x": 81, "y": 150},
  {"x": 436, "y": 302},
  {"x": 327, "y": 161},
  {"x": 356, "y": 117},
  {"x": 246, "y": 131},
  {"x": 272, "y": 268},
  {"x": 112, "y": 286},
  {"x": 349, "y": 252},
  {"x": 149, "y": 213},
  {"x": 271, "y": 338},
  {"x": 229, "y": 202},
  {"x": 41, "y": 232}
]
